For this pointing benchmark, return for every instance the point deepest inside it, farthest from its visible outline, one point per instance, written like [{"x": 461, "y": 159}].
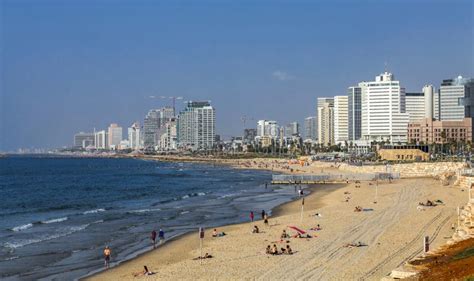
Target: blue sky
[{"x": 70, "y": 66}]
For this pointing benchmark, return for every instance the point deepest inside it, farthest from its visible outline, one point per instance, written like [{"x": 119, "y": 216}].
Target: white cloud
[{"x": 282, "y": 76}]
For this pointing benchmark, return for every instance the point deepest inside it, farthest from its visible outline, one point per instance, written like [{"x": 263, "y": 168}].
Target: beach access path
[{"x": 393, "y": 232}]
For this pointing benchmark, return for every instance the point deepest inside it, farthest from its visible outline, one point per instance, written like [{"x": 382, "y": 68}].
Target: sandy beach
[{"x": 392, "y": 229}]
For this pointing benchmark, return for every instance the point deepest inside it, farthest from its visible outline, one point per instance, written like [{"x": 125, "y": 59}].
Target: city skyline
[{"x": 50, "y": 94}]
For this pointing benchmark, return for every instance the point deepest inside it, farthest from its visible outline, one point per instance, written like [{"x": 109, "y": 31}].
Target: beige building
[
  {"x": 341, "y": 116},
  {"x": 429, "y": 131},
  {"x": 326, "y": 121}
]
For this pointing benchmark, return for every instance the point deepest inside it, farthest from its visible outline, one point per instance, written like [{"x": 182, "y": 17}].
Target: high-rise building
[
  {"x": 267, "y": 128},
  {"x": 292, "y": 129},
  {"x": 196, "y": 126},
  {"x": 415, "y": 106},
  {"x": 311, "y": 128},
  {"x": 134, "y": 136},
  {"x": 101, "y": 140},
  {"x": 169, "y": 136},
  {"x": 83, "y": 140},
  {"x": 325, "y": 110},
  {"x": 154, "y": 120},
  {"x": 456, "y": 98},
  {"x": 428, "y": 93},
  {"x": 354, "y": 121},
  {"x": 383, "y": 110},
  {"x": 249, "y": 135},
  {"x": 341, "y": 116},
  {"x": 114, "y": 136}
]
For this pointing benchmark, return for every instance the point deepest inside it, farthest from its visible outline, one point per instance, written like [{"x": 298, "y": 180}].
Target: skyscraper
[
  {"x": 83, "y": 140},
  {"x": 341, "y": 116},
  {"x": 114, "y": 136},
  {"x": 311, "y": 128},
  {"x": 325, "y": 113},
  {"x": 134, "y": 136},
  {"x": 168, "y": 138},
  {"x": 154, "y": 120},
  {"x": 196, "y": 126},
  {"x": 456, "y": 98},
  {"x": 354, "y": 113},
  {"x": 428, "y": 93},
  {"x": 415, "y": 106},
  {"x": 267, "y": 128},
  {"x": 101, "y": 140},
  {"x": 249, "y": 135},
  {"x": 383, "y": 110},
  {"x": 292, "y": 129}
]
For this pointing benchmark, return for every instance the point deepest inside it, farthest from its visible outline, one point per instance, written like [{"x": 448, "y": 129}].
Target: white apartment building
[
  {"x": 196, "y": 126},
  {"x": 415, "y": 106},
  {"x": 168, "y": 138},
  {"x": 267, "y": 128},
  {"x": 383, "y": 110},
  {"x": 341, "y": 116},
  {"x": 101, "y": 140},
  {"x": 325, "y": 113},
  {"x": 114, "y": 136},
  {"x": 134, "y": 136}
]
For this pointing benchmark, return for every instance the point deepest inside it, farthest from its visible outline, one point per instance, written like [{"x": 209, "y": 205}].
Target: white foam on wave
[
  {"x": 184, "y": 212},
  {"x": 55, "y": 220},
  {"x": 144, "y": 211},
  {"x": 201, "y": 194},
  {"x": 66, "y": 231},
  {"x": 93, "y": 211},
  {"x": 22, "y": 227},
  {"x": 185, "y": 196}
]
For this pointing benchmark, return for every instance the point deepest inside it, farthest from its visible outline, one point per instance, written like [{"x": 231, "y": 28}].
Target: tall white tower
[{"x": 428, "y": 91}]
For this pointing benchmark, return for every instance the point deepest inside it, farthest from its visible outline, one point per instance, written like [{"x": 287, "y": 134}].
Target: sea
[{"x": 57, "y": 213}]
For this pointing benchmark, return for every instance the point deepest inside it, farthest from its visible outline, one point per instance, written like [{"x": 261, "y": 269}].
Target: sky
[{"x": 71, "y": 66}]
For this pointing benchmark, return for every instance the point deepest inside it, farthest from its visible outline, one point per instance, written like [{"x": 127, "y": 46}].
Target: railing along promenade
[{"x": 332, "y": 178}]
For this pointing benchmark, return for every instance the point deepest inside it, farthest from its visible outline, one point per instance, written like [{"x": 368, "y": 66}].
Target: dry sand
[{"x": 393, "y": 231}]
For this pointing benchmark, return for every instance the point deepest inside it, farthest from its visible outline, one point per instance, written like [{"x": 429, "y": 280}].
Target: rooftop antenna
[{"x": 385, "y": 66}]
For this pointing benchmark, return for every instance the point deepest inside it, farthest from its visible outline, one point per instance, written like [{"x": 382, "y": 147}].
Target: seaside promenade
[{"x": 391, "y": 229}]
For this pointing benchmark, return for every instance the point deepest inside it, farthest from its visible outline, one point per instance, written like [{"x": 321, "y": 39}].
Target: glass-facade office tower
[{"x": 354, "y": 113}]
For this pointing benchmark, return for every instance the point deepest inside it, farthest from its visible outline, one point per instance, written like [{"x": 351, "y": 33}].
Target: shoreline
[{"x": 276, "y": 212}]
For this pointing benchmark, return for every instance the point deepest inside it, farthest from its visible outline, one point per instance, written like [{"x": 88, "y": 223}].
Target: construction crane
[{"x": 174, "y": 98}]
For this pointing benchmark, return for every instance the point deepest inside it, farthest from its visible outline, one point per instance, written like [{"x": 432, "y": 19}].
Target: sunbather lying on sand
[
  {"x": 217, "y": 234},
  {"x": 318, "y": 227},
  {"x": 144, "y": 272},
  {"x": 206, "y": 256},
  {"x": 299, "y": 235},
  {"x": 352, "y": 245}
]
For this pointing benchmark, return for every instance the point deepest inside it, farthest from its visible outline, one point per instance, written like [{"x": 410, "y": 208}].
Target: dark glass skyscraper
[{"x": 355, "y": 109}]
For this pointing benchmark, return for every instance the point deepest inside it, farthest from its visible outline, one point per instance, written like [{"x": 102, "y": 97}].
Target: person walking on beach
[
  {"x": 107, "y": 253},
  {"x": 161, "y": 236},
  {"x": 153, "y": 238},
  {"x": 263, "y": 214},
  {"x": 251, "y": 216}
]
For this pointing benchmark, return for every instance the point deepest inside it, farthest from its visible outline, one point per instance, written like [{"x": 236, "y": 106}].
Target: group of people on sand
[
  {"x": 428, "y": 203},
  {"x": 274, "y": 250},
  {"x": 358, "y": 209}
]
